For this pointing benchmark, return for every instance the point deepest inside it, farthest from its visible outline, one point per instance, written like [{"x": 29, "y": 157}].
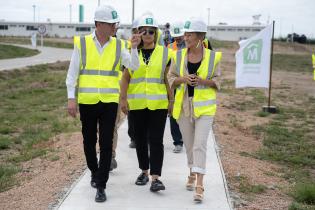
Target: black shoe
[
  {"x": 100, "y": 195},
  {"x": 132, "y": 144},
  {"x": 113, "y": 164},
  {"x": 142, "y": 179},
  {"x": 157, "y": 185},
  {"x": 93, "y": 182}
]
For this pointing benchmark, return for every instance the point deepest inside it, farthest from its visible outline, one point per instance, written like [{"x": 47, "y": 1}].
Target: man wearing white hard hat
[
  {"x": 94, "y": 74},
  {"x": 194, "y": 73},
  {"x": 177, "y": 33}
]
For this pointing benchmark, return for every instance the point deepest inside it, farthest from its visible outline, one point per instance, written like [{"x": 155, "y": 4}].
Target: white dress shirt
[{"x": 129, "y": 61}]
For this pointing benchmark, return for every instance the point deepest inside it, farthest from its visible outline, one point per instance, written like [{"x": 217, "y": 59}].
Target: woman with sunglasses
[
  {"x": 194, "y": 73},
  {"x": 149, "y": 101}
]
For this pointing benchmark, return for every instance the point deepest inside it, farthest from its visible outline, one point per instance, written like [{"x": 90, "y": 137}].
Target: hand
[
  {"x": 136, "y": 39},
  {"x": 190, "y": 79},
  {"x": 124, "y": 106},
  {"x": 72, "y": 107},
  {"x": 198, "y": 81}
]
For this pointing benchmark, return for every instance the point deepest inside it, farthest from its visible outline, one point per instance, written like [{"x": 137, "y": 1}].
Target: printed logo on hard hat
[
  {"x": 187, "y": 25},
  {"x": 176, "y": 31},
  {"x": 114, "y": 14},
  {"x": 149, "y": 21}
]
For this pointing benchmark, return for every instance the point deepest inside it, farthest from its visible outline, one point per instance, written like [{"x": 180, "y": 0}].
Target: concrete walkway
[
  {"x": 123, "y": 194},
  {"x": 46, "y": 55}
]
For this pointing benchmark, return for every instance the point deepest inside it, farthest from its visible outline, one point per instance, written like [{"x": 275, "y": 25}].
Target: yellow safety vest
[
  {"x": 147, "y": 87},
  {"x": 313, "y": 59},
  {"x": 99, "y": 74},
  {"x": 204, "y": 100}
]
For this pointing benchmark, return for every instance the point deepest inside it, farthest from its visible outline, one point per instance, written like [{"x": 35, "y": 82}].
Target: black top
[
  {"x": 192, "y": 69},
  {"x": 146, "y": 54}
]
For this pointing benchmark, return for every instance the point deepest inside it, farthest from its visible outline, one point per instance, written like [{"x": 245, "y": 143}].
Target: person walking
[
  {"x": 195, "y": 74},
  {"x": 146, "y": 94},
  {"x": 177, "y": 33},
  {"x": 93, "y": 71}
]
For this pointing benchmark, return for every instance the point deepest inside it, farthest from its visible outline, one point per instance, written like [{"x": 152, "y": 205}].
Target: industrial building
[{"x": 219, "y": 32}]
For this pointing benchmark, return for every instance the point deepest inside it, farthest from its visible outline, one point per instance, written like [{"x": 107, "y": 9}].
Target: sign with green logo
[
  {"x": 176, "y": 30},
  {"x": 187, "y": 24},
  {"x": 114, "y": 14},
  {"x": 149, "y": 21},
  {"x": 252, "y": 52}
]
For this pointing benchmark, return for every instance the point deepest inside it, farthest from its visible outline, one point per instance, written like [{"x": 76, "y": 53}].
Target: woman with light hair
[{"x": 194, "y": 74}]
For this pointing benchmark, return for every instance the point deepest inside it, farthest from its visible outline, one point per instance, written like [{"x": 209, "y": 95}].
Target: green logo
[
  {"x": 252, "y": 52},
  {"x": 176, "y": 31},
  {"x": 114, "y": 14},
  {"x": 187, "y": 24},
  {"x": 149, "y": 21}
]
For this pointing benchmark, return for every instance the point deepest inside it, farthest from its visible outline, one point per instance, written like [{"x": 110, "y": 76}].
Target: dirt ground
[{"x": 43, "y": 181}]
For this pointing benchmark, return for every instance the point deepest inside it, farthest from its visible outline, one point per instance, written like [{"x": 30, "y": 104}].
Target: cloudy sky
[{"x": 290, "y": 15}]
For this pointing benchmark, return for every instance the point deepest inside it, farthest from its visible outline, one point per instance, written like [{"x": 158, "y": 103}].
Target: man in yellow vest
[
  {"x": 94, "y": 74},
  {"x": 313, "y": 60},
  {"x": 177, "y": 32}
]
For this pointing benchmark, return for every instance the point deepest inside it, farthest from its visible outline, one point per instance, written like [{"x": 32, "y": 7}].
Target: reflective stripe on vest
[
  {"x": 204, "y": 103},
  {"x": 178, "y": 61},
  {"x": 98, "y": 90},
  {"x": 145, "y": 96}
]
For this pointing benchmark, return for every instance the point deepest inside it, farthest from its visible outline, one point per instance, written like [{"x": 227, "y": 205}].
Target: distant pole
[
  {"x": 208, "y": 16},
  {"x": 99, "y": 2},
  {"x": 133, "y": 10},
  {"x": 70, "y": 13},
  {"x": 34, "y": 12},
  {"x": 270, "y": 75}
]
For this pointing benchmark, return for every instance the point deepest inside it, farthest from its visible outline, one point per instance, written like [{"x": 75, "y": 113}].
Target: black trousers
[
  {"x": 103, "y": 115},
  {"x": 131, "y": 129},
  {"x": 149, "y": 126}
]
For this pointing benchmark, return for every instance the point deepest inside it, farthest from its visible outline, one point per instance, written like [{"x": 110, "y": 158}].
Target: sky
[{"x": 290, "y": 15}]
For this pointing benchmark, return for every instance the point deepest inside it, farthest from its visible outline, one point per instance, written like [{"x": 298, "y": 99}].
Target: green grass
[
  {"x": 305, "y": 193},
  {"x": 33, "y": 106},
  {"x": 27, "y": 40},
  {"x": 222, "y": 44},
  {"x": 9, "y": 51},
  {"x": 7, "y": 173},
  {"x": 292, "y": 63}
]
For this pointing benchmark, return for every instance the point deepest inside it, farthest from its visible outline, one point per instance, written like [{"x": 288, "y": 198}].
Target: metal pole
[
  {"x": 99, "y": 2},
  {"x": 133, "y": 10},
  {"x": 208, "y": 16},
  {"x": 34, "y": 12},
  {"x": 70, "y": 11},
  {"x": 270, "y": 75}
]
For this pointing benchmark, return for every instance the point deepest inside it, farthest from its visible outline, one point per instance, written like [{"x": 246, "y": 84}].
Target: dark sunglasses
[{"x": 148, "y": 31}]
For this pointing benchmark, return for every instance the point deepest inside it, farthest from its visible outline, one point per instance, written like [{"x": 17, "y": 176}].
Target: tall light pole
[
  {"x": 208, "y": 16},
  {"x": 133, "y": 10},
  {"x": 70, "y": 10},
  {"x": 34, "y": 12}
]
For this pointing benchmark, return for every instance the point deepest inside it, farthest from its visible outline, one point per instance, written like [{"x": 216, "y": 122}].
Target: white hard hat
[
  {"x": 195, "y": 25},
  {"x": 135, "y": 23},
  {"x": 147, "y": 20},
  {"x": 177, "y": 29},
  {"x": 107, "y": 14}
]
